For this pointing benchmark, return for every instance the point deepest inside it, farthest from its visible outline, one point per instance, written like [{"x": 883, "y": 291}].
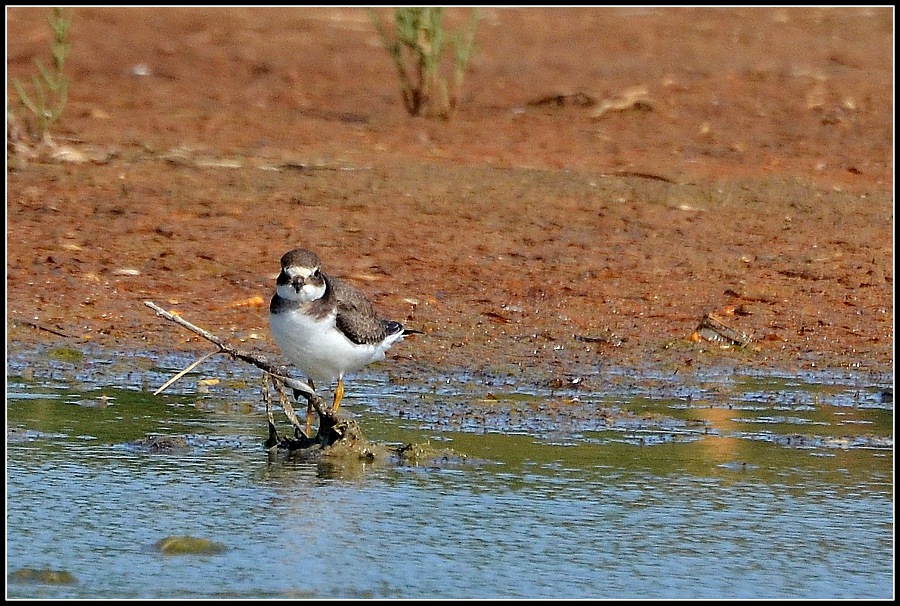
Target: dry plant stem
[
  {"x": 288, "y": 407},
  {"x": 301, "y": 440},
  {"x": 273, "y": 439},
  {"x": 186, "y": 370},
  {"x": 277, "y": 374},
  {"x": 44, "y": 328}
]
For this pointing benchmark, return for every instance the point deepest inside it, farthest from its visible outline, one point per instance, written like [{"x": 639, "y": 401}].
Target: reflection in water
[
  {"x": 725, "y": 449},
  {"x": 604, "y": 518}
]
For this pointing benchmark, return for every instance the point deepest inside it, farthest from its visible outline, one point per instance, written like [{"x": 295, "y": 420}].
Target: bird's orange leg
[{"x": 338, "y": 394}]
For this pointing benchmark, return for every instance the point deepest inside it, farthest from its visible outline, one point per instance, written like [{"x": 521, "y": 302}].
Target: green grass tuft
[
  {"x": 50, "y": 86},
  {"x": 418, "y": 45}
]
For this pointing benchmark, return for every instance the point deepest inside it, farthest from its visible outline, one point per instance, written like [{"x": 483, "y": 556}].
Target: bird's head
[{"x": 300, "y": 278}]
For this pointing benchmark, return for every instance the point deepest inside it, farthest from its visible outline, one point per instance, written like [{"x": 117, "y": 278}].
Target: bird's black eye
[{"x": 316, "y": 273}]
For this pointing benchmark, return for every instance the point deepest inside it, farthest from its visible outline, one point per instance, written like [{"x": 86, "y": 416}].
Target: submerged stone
[
  {"x": 160, "y": 443},
  {"x": 42, "y": 575},
  {"x": 185, "y": 545}
]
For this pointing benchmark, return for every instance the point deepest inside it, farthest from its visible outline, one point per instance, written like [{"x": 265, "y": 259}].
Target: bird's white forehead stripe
[{"x": 300, "y": 272}]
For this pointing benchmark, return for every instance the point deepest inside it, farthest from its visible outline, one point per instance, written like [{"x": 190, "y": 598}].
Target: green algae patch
[
  {"x": 65, "y": 354},
  {"x": 188, "y": 545},
  {"x": 351, "y": 453},
  {"x": 353, "y": 445}
]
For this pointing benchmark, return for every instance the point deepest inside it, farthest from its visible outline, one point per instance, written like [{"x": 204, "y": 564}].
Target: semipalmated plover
[{"x": 324, "y": 325}]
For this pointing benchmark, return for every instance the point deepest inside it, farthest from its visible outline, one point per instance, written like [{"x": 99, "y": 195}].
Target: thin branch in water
[
  {"x": 330, "y": 425},
  {"x": 288, "y": 407},
  {"x": 237, "y": 354}
]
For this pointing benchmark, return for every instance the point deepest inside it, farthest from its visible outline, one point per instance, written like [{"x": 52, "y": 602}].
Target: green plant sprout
[
  {"x": 50, "y": 87},
  {"x": 418, "y": 46}
]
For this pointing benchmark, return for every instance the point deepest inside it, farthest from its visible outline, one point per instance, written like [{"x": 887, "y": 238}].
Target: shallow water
[{"x": 731, "y": 486}]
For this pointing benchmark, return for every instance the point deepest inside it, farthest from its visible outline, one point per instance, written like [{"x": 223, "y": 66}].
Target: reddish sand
[{"x": 753, "y": 170}]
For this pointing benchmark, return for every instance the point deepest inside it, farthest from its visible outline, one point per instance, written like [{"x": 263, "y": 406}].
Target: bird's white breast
[{"x": 318, "y": 348}]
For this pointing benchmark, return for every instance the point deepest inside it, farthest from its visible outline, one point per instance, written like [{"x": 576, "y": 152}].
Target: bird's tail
[{"x": 396, "y": 328}]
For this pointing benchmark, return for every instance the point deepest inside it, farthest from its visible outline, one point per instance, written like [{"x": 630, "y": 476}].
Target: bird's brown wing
[{"x": 356, "y": 317}]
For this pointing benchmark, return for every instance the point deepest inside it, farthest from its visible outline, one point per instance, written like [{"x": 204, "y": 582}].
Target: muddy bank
[{"x": 522, "y": 238}]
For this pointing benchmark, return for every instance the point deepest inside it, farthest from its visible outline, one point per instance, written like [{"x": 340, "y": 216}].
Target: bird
[{"x": 326, "y": 326}]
